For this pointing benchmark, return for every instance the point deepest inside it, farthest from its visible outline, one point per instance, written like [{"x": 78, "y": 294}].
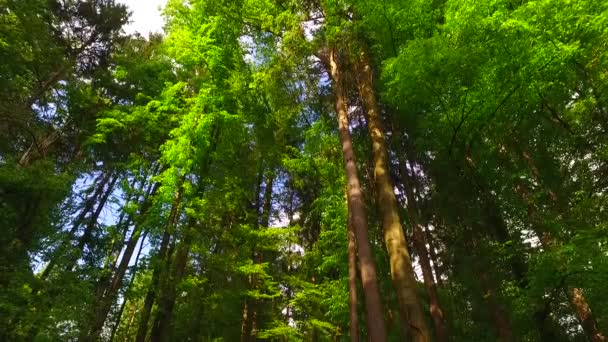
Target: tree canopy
[{"x": 297, "y": 170}]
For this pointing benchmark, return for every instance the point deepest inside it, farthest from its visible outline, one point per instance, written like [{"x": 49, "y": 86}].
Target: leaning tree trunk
[
  {"x": 575, "y": 295},
  {"x": 106, "y": 297},
  {"x": 402, "y": 273},
  {"x": 87, "y": 208},
  {"x": 419, "y": 240},
  {"x": 369, "y": 278},
  {"x": 118, "y": 317},
  {"x": 87, "y": 235}
]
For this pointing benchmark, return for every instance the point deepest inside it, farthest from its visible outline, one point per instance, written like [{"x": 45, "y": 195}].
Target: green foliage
[{"x": 219, "y": 143}]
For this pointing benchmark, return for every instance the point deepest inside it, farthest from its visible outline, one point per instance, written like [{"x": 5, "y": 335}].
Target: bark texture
[
  {"x": 369, "y": 277},
  {"x": 402, "y": 273},
  {"x": 352, "y": 282}
]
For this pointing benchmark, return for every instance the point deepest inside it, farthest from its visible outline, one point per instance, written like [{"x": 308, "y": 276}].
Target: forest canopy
[{"x": 304, "y": 170}]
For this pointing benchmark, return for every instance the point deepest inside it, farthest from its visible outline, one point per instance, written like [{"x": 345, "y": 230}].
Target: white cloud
[{"x": 145, "y": 17}]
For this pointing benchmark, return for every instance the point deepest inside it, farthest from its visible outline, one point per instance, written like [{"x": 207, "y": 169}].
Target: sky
[{"x": 145, "y": 17}]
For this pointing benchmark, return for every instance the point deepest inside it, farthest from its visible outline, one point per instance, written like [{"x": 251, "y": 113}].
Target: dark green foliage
[{"x": 196, "y": 178}]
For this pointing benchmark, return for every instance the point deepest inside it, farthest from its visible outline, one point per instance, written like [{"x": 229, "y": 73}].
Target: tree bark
[
  {"x": 87, "y": 208},
  {"x": 106, "y": 297},
  {"x": 434, "y": 257},
  {"x": 497, "y": 313},
  {"x": 162, "y": 321},
  {"x": 402, "y": 273},
  {"x": 85, "y": 239},
  {"x": 583, "y": 311},
  {"x": 162, "y": 256},
  {"x": 252, "y": 305},
  {"x": 352, "y": 282},
  {"x": 357, "y": 213},
  {"x": 575, "y": 295},
  {"x": 419, "y": 241},
  {"x": 131, "y": 280}
]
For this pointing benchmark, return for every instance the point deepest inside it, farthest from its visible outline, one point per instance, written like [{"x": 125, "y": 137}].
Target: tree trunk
[
  {"x": 434, "y": 257},
  {"x": 162, "y": 256},
  {"x": 352, "y": 283},
  {"x": 87, "y": 208},
  {"x": 42, "y": 148},
  {"x": 85, "y": 239},
  {"x": 131, "y": 280},
  {"x": 583, "y": 311},
  {"x": 402, "y": 273},
  {"x": 252, "y": 305},
  {"x": 497, "y": 313},
  {"x": 162, "y": 321},
  {"x": 106, "y": 297},
  {"x": 369, "y": 278},
  {"x": 575, "y": 295},
  {"x": 419, "y": 241}
]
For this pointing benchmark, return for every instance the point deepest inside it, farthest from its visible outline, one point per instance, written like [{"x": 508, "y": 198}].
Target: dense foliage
[{"x": 304, "y": 170}]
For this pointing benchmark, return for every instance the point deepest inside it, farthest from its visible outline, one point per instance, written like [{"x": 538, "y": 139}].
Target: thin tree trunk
[
  {"x": 352, "y": 282},
  {"x": 131, "y": 280},
  {"x": 106, "y": 297},
  {"x": 88, "y": 207},
  {"x": 583, "y": 311},
  {"x": 576, "y": 296},
  {"x": 163, "y": 255},
  {"x": 247, "y": 312},
  {"x": 42, "y": 148},
  {"x": 162, "y": 321},
  {"x": 85, "y": 239},
  {"x": 498, "y": 229},
  {"x": 357, "y": 212},
  {"x": 402, "y": 273},
  {"x": 419, "y": 240},
  {"x": 429, "y": 283},
  {"x": 252, "y": 306},
  {"x": 123, "y": 224},
  {"x": 434, "y": 257}
]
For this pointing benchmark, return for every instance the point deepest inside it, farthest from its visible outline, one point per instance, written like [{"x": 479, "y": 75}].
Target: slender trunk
[
  {"x": 267, "y": 209},
  {"x": 357, "y": 213},
  {"x": 106, "y": 297},
  {"x": 85, "y": 239},
  {"x": 252, "y": 306},
  {"x": 402, "y": 273},
  {"x": 162, "y": 321},
  {"x": 131, "y": 280},
  {"x": 434, "y": 257},
  {"x": 87, "y": 208},
  {"x": 42, "y": 148},
  {"x": 419, "y": 241},
  {"x": 246, "y": 322},
  {"x": 441, "y": 332},
  {"x": 583, "y": 311},
  {"x": 498, "y": 229},
  {"x": 163, "y": 255},
  {"x": 247, "y": 313},
  {"x": 124, "y": 221},
  {"x": 576, "y": 296},
  {"x": 352, "y": 283}
]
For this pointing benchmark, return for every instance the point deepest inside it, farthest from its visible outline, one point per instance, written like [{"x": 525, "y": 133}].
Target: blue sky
[{"x": 146, "y": 16}]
